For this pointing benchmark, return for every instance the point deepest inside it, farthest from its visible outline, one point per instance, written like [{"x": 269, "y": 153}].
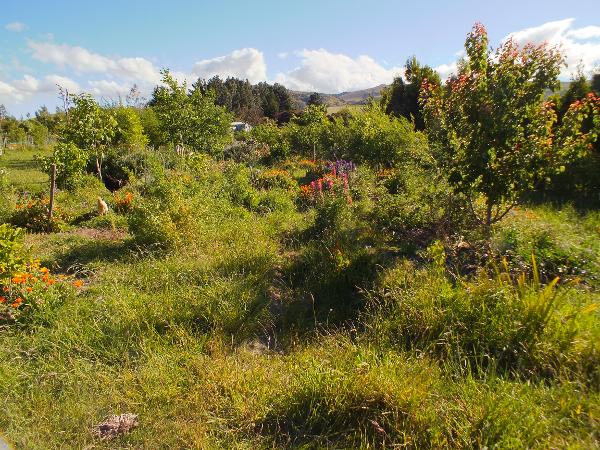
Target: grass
[
  {"x": 254, "y": 333},
  {"x": 23, "y": 171}
]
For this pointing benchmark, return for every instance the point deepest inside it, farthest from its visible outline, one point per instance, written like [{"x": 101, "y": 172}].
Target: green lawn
[{"x": 23, "y": 171}]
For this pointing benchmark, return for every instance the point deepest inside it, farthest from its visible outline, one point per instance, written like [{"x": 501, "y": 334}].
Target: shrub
[
  {"x": 70, "y": 162},
  {"x": 162, "y": 217},
  {"x": 31, "y": 212},
  {"x": 152, "y": 226},
  {"x": 238, "y": 186},
  {"x": 25, "y": 286},
  {"x": 123, "y": 201},
  {"x": 11, "y": 257},
  {"x": 31, "y": 290},
  {"x": 276, "y": 199},
  {"x": 275, "y": 178},
  {"x": 274, "y": 137},
  {"x": 416, "y": 206}
]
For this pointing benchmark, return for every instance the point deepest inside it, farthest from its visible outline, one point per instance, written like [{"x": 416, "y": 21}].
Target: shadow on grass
[
  {"x": 317, "y": 419},
  {"x": 78, "y": 257}
]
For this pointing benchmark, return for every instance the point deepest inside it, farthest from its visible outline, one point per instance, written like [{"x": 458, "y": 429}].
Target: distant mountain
[{"x": 342, "y": 99}]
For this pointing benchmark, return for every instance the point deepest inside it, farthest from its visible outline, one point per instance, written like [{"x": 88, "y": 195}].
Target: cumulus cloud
[
  {"x": 445, "y": 70},
  {"x": 246, "y": 63},
  {"x": 19, "y": 90},
  {"x": 585, "y": 32},
  {"x": 82, "y": 60},
  {"x": 323, "y": 71},
  {"x": 17, "y": 27},
  {"x": 580, "y": 46},
  {"x": 51, "y": 83},
  {"x": 109, "y": 88}
]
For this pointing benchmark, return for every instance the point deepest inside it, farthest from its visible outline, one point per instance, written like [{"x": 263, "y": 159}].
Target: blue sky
[{"x": 328, "y": 45}]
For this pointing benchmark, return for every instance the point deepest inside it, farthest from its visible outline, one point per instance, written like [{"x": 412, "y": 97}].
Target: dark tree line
[{"x": 248, "y": 102}]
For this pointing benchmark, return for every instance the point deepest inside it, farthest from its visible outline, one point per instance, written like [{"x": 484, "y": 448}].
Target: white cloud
[
  {"x": 109, "y": 88},
  {"x": 17, "y": 27},
  {"x": 246, "y": 63},
  {"x": 82, "y": 60},
  {"x": 28, "y": 84},
  {"x": 16, "y": 91},
  {"x": 328, "y": 72},
  {"x": 445, "y": 70},
  {"x": 51, "y": 83},
  {"x": 8, "y": 91},
  {"x": 578, "y": 45},
  {"x": 585, "y": 32}
]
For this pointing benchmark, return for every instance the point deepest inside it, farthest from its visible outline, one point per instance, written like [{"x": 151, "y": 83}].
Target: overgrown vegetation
[{"x": 318, "y": 282}]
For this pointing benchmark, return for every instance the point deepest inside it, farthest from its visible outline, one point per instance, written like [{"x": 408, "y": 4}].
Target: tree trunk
[
  {"x": 488, "y": 221},
  {"x": 99, "y": 167}
]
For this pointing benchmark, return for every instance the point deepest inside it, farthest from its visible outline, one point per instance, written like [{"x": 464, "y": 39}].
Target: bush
[
  {"x": 31, "y": 212},
  {"x": 162, "y": 217},
  {"x": 416, "y": 206},
  {"x": 151, "y": 225},
  {"x": 274, "y": 137},
  {"x": 70, "y": 162},
  {"x": 11, "y": 247},
  {"x": 276, "y": 200},
  {"x": 238, "y": 186},
  {"x": 275, "y": 178}
]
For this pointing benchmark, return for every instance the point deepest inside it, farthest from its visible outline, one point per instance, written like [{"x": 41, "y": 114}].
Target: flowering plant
[
  {"x": 31, "y": 212},
  {"x": 332, "y": 183},
  {"x": 25, "y": 285},
  {"x": 123, "y": 201}
]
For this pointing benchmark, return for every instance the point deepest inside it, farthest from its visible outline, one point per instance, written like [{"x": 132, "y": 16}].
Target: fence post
[{"x": 52, "y": 188}]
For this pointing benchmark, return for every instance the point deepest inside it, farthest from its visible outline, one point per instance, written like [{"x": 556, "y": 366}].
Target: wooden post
[{"x": 52, "y": 188}]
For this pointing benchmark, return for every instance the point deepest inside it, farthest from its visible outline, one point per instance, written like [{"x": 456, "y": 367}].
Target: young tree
[
  {"x": 129, "y": 132},
  {"x": 310, "y": 130},
  {"x": 89, "y": 127},
  {"x": 495, "y": 134},
  {"x": 190, "y": 120},
  {"x": 381, "y": 140},
  {"x": 578, "y": 89}
]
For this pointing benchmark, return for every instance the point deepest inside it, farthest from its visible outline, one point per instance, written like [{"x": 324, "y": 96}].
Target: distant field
[
  {"x": 334, "y": 109},
  {"x": 23, "y": 170}
]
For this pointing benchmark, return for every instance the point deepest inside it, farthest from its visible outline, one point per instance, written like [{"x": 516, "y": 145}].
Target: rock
[{"x": 116, "y": 425}]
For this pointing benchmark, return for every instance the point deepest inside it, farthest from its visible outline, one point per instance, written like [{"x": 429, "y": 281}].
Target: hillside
[{"x": 341, "y": 99}]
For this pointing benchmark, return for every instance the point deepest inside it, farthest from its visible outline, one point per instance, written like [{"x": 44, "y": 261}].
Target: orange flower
[
  {"x": 2, "y": 299},
  {"x": 17, "y": 302},
  {"x": 29, "y": 289},
  {"x": 51, "y": 281},
  {"x": 78, "y": 283},
  {"x": 17, "y": 279},
  {"x": 6, "y": 289},
  {"x": 44, "y": 270}
]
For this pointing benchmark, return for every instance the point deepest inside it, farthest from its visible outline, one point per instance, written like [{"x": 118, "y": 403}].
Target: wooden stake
[{"x": 52, "y": 189}]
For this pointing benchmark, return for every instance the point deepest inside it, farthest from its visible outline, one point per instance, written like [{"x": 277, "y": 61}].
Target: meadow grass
[
  {"x": 23, "y": 171},
  {"x": 249, "y": 331}
]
